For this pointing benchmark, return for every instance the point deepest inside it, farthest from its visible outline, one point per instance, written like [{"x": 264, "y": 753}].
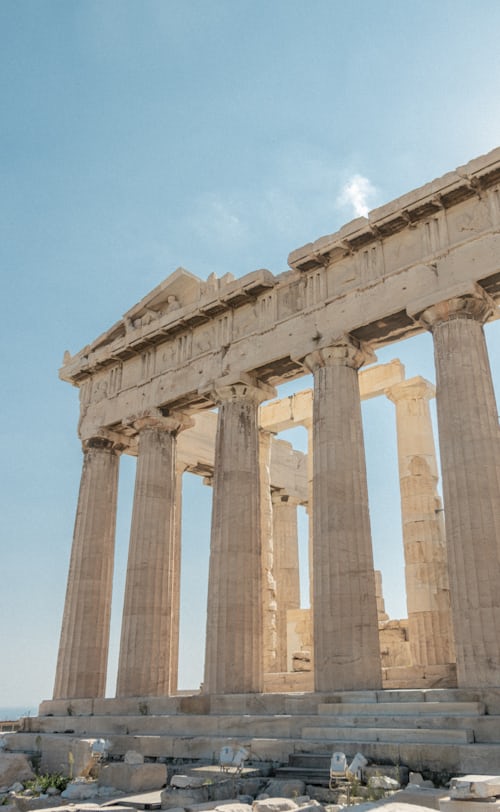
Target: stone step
[
  {"x": 313, "y": 768},
  {"x": 305, "y": 770},
  {"x": 280, "y": 725},
  {"x": 407, "y": 734},
  {"x": 486, "y": 728},
  {"x": 402, "y": 708},
  {"x": 457, "y": 758},
  {"x": 263, "y": 704},
  {"x": 320, "y": 775},
  {"x": 320, "y": 761},
  {"x": 489, "y": 697},
  {"x": 424, "y": 729},
  {"x": 310, "y": 775},
  {"x": 430, "y": 722}
]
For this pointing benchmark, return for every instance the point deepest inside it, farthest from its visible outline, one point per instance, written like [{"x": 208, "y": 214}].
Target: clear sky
[{"x": 140, "y": 135}]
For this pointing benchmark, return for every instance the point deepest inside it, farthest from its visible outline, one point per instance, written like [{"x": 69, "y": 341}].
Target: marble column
[
  {"x": 234, "y": 639},
  {"x": 426, "y": 568},
  {"x": 146, "y": 650},
  {"x": 83, "y": 650},
  {"x": 176, "y": 581},
  {"x": 286, "y": 568},
  {"x": 308, "y": 425},
  {"x": 379, "y": 593},
  {"x": 269, "y": 631},
  {"x": 469, "y": 440},
  {"x": 346, "y": 642}
]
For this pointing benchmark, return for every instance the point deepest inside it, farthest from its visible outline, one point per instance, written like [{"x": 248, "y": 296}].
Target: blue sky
[{"x": 137, "y": 136}]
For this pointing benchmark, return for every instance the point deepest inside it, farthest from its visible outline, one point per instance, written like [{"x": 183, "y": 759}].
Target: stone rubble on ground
[
  {"x": 473, "y": 793},
  {"x": 133, "y": 757},
  {"x": 475, "y": 805},
  {"x": 290, "y": 788},
  {"x": 469, "y": 787},
  {"x": 187, "y": 781},
  {"x": 311, "y": 806},
  {"x": 14, "y": 767},
  {"x": 133, "y": 777},
  {"x": 274, "y": 805},
  {"x": 383, "y": 782},
  {"x": 416, "y": 781},
  {"x": 231, "y": 792},
  {"x": 80, "y": 789},
  {"x": 233, "y": 807},
  {"x": 399, "y": 772}
]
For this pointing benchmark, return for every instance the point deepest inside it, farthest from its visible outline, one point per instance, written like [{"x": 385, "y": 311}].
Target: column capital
[
  {"x": 106, "y": 441},
  {"x": 265, "y": 432},
  {"x": 173, "y": 423},
  {"x": 346, "y": 351},
  {"x": 474, "y": 304},
  {"x": 244, "y": 389},
  {"x": 417, "y": 387}
]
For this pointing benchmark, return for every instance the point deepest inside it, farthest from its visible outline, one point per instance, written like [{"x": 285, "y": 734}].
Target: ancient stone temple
[{"x": 186, "y": 379}]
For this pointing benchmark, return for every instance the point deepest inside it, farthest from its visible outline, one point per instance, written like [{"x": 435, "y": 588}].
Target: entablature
[
  {"x": 406, "y": 212},
  {"x": 167, "y": 351},
  {"x": 163, "y": 314}
]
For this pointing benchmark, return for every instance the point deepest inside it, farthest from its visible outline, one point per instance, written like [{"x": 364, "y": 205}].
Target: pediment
[{"x": 180, "y": 289}]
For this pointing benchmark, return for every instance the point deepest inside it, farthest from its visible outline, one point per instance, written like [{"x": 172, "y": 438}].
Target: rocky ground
[{"x": 207, "y": 788}]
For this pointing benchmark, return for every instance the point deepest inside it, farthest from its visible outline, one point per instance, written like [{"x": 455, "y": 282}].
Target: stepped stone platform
[{"x": 454, "y": 730}]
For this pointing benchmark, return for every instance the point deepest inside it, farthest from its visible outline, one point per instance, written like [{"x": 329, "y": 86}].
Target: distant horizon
[{"x": 9, "y": 713}]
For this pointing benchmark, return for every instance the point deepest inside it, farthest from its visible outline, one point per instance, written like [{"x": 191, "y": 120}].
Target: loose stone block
[
  {"x": 420, "y": 796},
  {"x": 383, "y": 782},
  {"x": 399, "y": 772},
  {"x": 274, "y": 805},
  {"x": 475, "y": 786},
  {"x": 475, "y": 805},
  {"x": 285, "y": 789},
  {"x": 184, "y": 781},
  {"x": 14, "y": 767},
  {"x": 232, "y": 807},
  {"x": 312, "y": 806},
  {"x": 80, "y": 790},
  {"x": 179, "y": 799},
  {"x": 133, "y": 757},
  {"x": 133, "y": 777}
]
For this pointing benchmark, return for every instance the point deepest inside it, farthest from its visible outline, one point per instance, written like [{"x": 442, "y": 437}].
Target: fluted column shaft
[
  {"x": 83, "y": 650},
  {"x": 176, "y": 583},
  {"x": 145, "y": 666},
  {"x": 379, "y": 592},
  {"x": 426, "y": 567},
  {"x": 286, "y": 568},
  {"x": 234, "y": 639},
  {"x": 270, "y": 663},
  {"x": 346, "y": 643},
  {"x": 308, "y": 425},
  {"x": 469, "y": 440}
]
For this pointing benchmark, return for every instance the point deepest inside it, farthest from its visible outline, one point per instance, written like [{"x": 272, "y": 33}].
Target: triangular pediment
[{"x": 180, "y": 289}]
